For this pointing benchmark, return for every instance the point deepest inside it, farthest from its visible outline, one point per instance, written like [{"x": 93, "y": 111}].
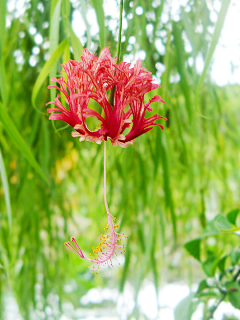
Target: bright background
[{"x": 164, "y": 189}]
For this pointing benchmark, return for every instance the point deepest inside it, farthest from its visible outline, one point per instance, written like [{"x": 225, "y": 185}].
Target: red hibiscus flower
[{"x": 95, "y": 78}]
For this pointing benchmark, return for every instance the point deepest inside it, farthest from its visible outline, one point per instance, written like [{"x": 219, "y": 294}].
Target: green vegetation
[{"x": 166, "y": 190}]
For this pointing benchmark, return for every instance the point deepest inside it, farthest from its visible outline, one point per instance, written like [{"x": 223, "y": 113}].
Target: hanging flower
[
  {"x": 119, "y": 90},
  {"x": 95, "y": 78}
]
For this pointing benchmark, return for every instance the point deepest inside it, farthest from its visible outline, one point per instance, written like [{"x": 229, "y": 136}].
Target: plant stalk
[
  {"x": 216, "y": 305},
  {"x": 111, "y": 98}
]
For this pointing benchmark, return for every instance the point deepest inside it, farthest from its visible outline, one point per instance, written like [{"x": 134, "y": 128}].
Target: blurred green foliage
[{"x": 163, "y": 189}]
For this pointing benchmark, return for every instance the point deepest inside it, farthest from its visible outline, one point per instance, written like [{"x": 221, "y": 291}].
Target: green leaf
[
  {"x": 54, "y": 37},
  {"x": 210, "y": 229},
  {"x": 76, "y": 46},
  {"x": 202, "y": 285},
  {"x": 188, "y": 28},
  {"x": 233, "y": 289},
  {"x": 6, "y": 190},
  {"x": 193, "y": 247},
  {"x": 232, "y": 216},
  {"x": 66, "y": 16},
  {"x": 209, "y": 266},
  {"x": 3, "y": 82},
  {"x": 235, "y": 256},
  {"x": 2, "y": 25},
  {"x": 162, "y": 145},
  {"x": 184, "y": 309},
  {"x": 221, "y": 263},
  {"x": 17, "y": 139},
  {"x": 84, "y": 15},
  {"x": 222, "y": 223},
  {"x": 98, "y": 6},
  {"x": 47, "y": 68},
  {"x": 125, "y": 268},
  {"x": 180, "y": 64},
  {"x": 54, "y": 25},
  {"x": 213, "y": 44}
]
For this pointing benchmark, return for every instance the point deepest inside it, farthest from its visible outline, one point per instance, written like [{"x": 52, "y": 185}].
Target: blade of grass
[
  {"x": 167, "y": 184},
  {"x": 76, "y": 46},
  {"x": 2, "y": 25},
  {"x": 84, "y": 16},
  {"x": 180, "y": 63},
  {"x": 54, "y": 36},
  {"x": 66, "y": 16},
  {"x": 125, "y": 268},
  {"x": 3, "y": 82},
  {"x": 17, "y": 139},
  {"x": 158, "y": 12},
  {"x": 154, "y": 262},
  {"x": 49, "y": 65},
  {"x": 98, "y": 7},
  {"x": 213, "y": 44},
  {"x": 54, "y": 25},
  {"x": 6, "y": 191},
  {"x": 3, "y": 87},
  {"x": 45, "y": 147}
]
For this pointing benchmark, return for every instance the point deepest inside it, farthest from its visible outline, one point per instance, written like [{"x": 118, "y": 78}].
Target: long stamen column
[{"x": 108, "y": 247}]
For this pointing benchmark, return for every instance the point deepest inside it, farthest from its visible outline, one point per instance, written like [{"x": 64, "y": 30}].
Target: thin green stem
[
  {"x": 111, "y": 98},
  {"x": 120, "y": 32},
  {"x": 105, "y": 179},
  {"x": 223, "y": 296}
]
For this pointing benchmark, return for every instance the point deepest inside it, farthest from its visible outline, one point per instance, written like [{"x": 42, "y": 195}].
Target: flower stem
[
  {"x": 111, "y": 98},
  {"x": 105, "y": 174}
]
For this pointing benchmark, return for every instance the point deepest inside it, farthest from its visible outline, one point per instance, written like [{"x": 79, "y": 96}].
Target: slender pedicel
[{"x": 108, "y": 247}]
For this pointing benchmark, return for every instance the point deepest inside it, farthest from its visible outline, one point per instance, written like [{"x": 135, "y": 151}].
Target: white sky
[{"x": 228, "y": 49}]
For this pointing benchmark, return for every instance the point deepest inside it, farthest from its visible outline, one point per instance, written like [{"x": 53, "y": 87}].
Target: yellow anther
[
  {"x": 115, "y": 219},
  {"x": 92, "y": 271},
  {"x": 92, "y": 247},
  {"x": 90, "y": 254},
  {"x": 100, "y": 238}
]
